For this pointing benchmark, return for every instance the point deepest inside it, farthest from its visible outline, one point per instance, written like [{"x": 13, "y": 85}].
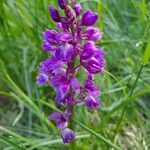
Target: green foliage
[{"x": 24, "y": 106}]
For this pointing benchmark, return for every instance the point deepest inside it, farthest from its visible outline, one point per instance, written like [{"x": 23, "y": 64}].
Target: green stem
[
  {"x": 72, "y": 127},
  {"x": 124, "y": 109}
]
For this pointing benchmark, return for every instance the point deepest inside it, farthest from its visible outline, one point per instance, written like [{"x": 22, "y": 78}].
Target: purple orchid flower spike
[{"x": 71, "y": 46}]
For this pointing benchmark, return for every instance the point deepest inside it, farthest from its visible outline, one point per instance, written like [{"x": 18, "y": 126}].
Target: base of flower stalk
[
  {"x": 72, "y": 127},
  {"x": 73, "y": 145}
]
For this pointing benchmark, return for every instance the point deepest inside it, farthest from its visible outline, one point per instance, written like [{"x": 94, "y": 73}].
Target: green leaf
[{"x": 146, "y": 55}]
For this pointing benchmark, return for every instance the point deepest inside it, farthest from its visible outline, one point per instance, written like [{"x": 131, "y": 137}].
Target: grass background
[{"x": 24, "y": 106}]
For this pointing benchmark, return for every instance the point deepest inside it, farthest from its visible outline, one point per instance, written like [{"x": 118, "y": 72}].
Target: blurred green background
[{"x": 24, "y": 106}]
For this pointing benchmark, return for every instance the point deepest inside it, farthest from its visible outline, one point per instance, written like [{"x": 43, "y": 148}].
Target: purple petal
[
  {"x": 57, "y": 116},
  {"x": 92, "y": 34},
  {"x": 92, "y": 58},
  {"x": 89, "y": 49},
  {"x": 65, "y": 52},
  {"x": 75, "y": 85},
  {"x": 62, "y": 124},
  {"x": 89, "y": 18},
  {"x": 91, "y": 88},
  {"x": 51, "y": 36},
  {"x": 67, "y": 135},
  {"x": 42, "y": 79},
  {"x": 60, "y": 98},
  {"x": 59, "y": 80},
  {"x": 48, "y": 47},
  {"x": 60, "y": 26},
  {"x": 91, "y": 102},
  {"x": 65, "y": 37},
  {"x": 68, "y": 114},
  {"x": 50, "y": 66}
]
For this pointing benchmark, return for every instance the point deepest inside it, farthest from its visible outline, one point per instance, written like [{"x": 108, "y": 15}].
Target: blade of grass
[
  {"x": 15, "y": 145},
  {"x": 124, "y": 109},
  {"x": 122, "y": 103},
  {"x": 143, "y": 9},
  {"x": 20, "y": 95},
  {"x": 120, "y": 84},
  {"x": 146, "y": 55},
  {"x": 100, "y": 137},
  {"x": 45, "y": 142}
]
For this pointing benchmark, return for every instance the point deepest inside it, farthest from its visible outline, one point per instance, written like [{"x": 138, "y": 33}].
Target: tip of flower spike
[
  {"x": 54, "y": 14},
  {"x": 62, "y": 4},
  {"x": 67, "y": 135}
]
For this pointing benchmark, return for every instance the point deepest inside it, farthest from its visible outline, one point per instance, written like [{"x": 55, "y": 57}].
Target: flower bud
[
  {"x": 77, "y": 9},
  {"x": 62, "y": 4},
  {"x": 89, "y": 18},
  {"x": 70, "y": 13},
  {"x": 54, "y": 14}
]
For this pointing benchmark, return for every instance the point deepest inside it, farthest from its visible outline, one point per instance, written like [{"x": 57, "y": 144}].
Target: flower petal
[
  {"x": 75, "y": 85},
  {"x": 64, "y": 52},
  {"x": 93, "y": 34},
  {"x": 42, "y": 79},
  {"x": 91, "y": 102},
  {"x": 57, "y": 116}
]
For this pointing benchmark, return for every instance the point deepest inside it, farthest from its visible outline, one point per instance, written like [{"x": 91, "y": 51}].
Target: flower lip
[{"x": 91, "y": 102}]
